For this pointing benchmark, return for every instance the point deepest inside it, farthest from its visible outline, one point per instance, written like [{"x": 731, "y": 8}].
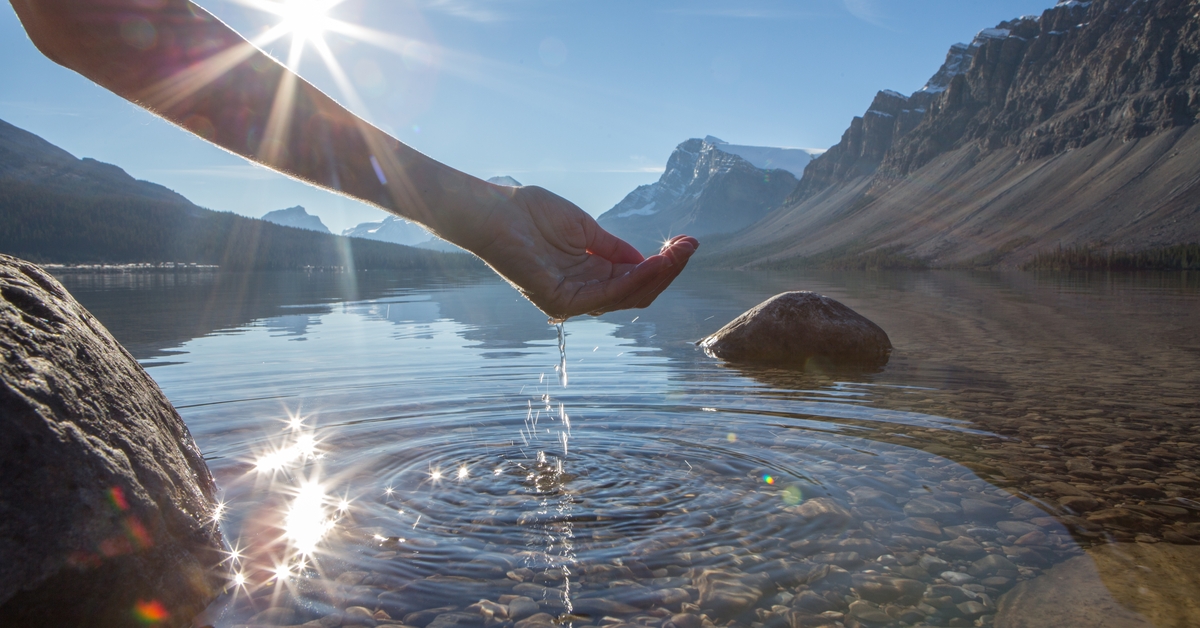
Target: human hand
[{"x": 564, "y": 262}]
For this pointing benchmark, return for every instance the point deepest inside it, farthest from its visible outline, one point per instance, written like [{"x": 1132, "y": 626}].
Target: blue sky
[{"x": 587, "y": 99}]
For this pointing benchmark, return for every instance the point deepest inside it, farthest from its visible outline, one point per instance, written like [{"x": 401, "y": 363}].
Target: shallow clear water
[{"x": 403, "y": 444}]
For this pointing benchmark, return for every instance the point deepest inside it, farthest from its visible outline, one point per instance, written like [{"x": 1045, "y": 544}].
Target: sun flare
[{"x": 305, "y": 20}]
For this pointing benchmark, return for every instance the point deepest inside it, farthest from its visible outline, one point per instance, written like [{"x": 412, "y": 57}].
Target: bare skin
[{"x": 178, "y": 61}]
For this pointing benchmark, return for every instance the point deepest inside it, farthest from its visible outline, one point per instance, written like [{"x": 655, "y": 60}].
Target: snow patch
[
  {"x": 647, "y": 210},
  {"x": 993, "y": 33}
]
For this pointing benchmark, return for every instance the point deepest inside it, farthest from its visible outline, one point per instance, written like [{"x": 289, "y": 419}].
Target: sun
[{"x": 305, "y": 20}]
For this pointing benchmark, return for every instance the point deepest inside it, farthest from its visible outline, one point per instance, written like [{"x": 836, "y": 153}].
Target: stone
[
  {"x": 963, "y": 547},
  {"x": 932, "y": 563},
  {"x": 1017, "y": 528},
  {"x": 358, "y": 616},
  {"x": 1117, "y": 516},
  {"x": 972, "y": 609},
  {"x": 864, "y": 496},
  {"x": 884, "y": 590},
  {"x": 106, "y": 500},
  {"x": 931, "y": 508},
  {"x": 920, "y": 526},
  {"x": 684, "y": 620},
  {"x": 423, "y": 618},
  {"x": 980, "y": 510},
  {"x": 991, "y": 565},
  {"x": 957, "y": 577},
  {"x": 729, "y": 593},
  {"x": 799, "y": 327},
  {"x": 539, "y": 620},
  {"x": 670, "y": 598},
  {"x": 275, "y": 616},
  {"x": 452, "y": 620},
  {"x": 599, "y": 607},
  {"x": 1141, "y": 491},
  {"x": 823, "y": 512},
  {"x": 521, "y": 607},
  {"x": 1033, "y": 538},
  {"x": 1112, "y": 586},
  {"x": 1079, "y": 503},
  {"x": 865, "y": 611},
  {"x": 1027, "y": 510},
  {"x": 811, "y": 602},
  {"x": 489, "y": 610}
]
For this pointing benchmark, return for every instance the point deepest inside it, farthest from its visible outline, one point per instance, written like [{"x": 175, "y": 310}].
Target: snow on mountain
[
  {"x": 708, "y": 187},
  {"x": 505, "y": 180},
  {"x": 391, "y": 229},
  {"x": 794, "y": 160},
  {"x": 296, "y": 217}
]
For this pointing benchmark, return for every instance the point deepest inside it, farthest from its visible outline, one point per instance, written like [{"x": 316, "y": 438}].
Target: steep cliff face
[
  {"x": 704, "y": 190},
  {"x": 1079, "y": 72},
  {"x": 1073, "y": 127}
]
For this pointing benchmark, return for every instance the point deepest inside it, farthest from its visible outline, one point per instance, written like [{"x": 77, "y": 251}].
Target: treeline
[
  {"x": 52, "y": 223},
  {"x": 1176, "y": 257}
]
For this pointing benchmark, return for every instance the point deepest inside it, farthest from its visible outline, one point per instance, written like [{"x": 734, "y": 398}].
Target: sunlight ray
[
  {"x": 339, "y": 76},
  {"x": 276, "y": 135},
  {"x": 181, "y": 85}
]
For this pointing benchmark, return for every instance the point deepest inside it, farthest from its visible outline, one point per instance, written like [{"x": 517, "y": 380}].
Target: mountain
[
  {"x": 400, "y": 231},
  {"x": 794, "y": 160},
  {"x": 391, "y": 229},
  {"x": 705, "y": 189},
  {"x": 1075, "y": 128},
  {"x": 505, "y": 180},
  {"x": 56, "y": 208},
  {"x": 296, "y": 217}
]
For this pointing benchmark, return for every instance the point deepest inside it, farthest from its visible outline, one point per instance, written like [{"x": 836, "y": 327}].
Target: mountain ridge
[
  {"x": 56, "y": 208},
  {"x": 703, "y": 190},
  {"x": 1075, "y": 127},
  {"x": 296, "y": 217}
]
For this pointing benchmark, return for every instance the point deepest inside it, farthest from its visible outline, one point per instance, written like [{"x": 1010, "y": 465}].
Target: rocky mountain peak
[
  {"x": 707, "y": 187},
  {"x": 296, "y": 217},
  {"x": 1074, "y": 127}
]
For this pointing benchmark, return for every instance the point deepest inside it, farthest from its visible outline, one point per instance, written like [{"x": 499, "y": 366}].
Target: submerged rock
[
  {"x": 797, "y": 328},
  {"x": 107, "y": 510},
  {"x": 1116, "y": 585}
]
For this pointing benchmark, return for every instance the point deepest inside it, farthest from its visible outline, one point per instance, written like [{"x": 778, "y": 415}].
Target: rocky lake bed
[{"x": 1029, "y": 451}]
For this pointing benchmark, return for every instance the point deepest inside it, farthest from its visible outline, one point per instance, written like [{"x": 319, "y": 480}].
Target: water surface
[{"x": 405, "y": 447}]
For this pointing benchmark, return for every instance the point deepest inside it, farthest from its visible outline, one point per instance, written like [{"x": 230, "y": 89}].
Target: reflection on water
[{"x": 422, "y": 458}]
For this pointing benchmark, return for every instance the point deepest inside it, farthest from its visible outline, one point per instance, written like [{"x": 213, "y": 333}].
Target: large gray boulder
[
  {"x": 106, "y": 507},
  {"x": 797, "y": 328}
]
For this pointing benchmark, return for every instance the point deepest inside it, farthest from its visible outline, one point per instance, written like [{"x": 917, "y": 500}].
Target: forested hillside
[{"x": 56, "y": 208}]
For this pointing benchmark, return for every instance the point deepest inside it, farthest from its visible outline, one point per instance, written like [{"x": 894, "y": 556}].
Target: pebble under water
[{"x": 396, "y": 451}]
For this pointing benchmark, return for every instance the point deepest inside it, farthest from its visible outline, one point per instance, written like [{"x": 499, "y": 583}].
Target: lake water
[{"x": 417, "y": 450}]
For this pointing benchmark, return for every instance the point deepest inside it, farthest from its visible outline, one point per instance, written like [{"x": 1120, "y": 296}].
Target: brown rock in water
[
  {"x": 728, "y": 593},
  {"x": 1119, "y": 585},
  {"x": 105, "y": 501},
  {"x": 799, "y": 327}
]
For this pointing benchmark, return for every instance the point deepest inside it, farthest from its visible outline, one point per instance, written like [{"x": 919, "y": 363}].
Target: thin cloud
[
  {"x": 745, "y": 13},
  {"x": 466, "y": 9},
  {"x": 867, "y": 11}
]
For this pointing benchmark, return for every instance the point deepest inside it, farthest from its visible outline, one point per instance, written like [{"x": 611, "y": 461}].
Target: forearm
[{"x": 183, "y": 64}]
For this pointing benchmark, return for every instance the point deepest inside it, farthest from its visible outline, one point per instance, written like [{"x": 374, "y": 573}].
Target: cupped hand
[{"x": 565, "y": 263}]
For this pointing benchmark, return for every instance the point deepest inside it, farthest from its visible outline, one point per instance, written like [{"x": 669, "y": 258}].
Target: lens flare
[
  {"x": 150, "y": 612},
  {"x": 307, "y": 521}
]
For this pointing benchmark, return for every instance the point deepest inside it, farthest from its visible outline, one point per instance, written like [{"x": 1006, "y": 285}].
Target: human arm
[{"x": 180, "y": 62}]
